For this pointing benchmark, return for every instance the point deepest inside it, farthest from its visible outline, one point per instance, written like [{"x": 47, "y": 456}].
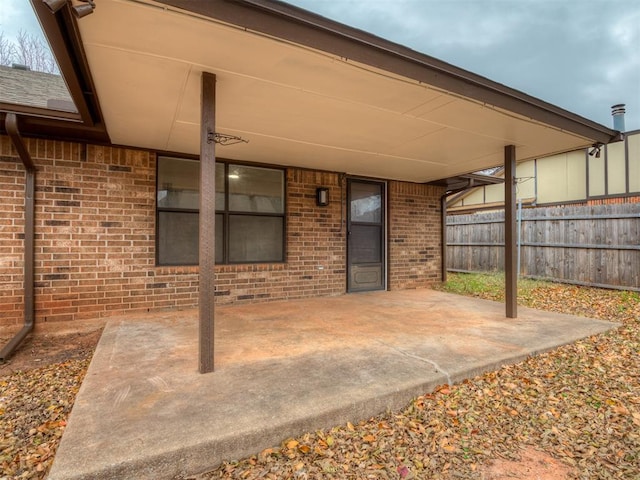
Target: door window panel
[
  {"x": 369, "y": 244},
  {"x": 366, "y": 203}
]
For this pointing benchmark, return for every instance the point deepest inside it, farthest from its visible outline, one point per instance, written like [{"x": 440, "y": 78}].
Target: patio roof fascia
[{"x": 289, "y": 23}]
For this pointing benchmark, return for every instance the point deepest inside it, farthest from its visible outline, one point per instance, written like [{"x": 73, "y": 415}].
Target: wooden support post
[
  {"x": 443, "y": 235},
  {"x": 207, "y": 248},
  {"x": 510, "y": 252}
]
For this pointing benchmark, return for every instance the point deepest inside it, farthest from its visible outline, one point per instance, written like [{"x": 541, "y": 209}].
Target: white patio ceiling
[{"x": 295, "y": 105}]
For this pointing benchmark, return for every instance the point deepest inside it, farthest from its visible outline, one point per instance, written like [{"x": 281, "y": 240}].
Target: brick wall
[
  {"x": 94, "y": 245},
  {"x": 614, "y": 200},
  {"x": 95, "y": 238},
  {"x": 414, "y": 235},
  {"x": 11, "y": 226}
]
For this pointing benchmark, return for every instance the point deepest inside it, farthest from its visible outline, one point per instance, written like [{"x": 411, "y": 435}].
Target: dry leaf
[{"x": 304, "y": 448}]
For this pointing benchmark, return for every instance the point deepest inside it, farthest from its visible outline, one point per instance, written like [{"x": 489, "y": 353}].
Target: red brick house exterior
[{"x": 95, "y": 238}]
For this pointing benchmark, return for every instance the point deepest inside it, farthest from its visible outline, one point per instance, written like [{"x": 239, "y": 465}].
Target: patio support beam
[
  {"x": 510, "y": 251},
  {"x": 207, "y": 248},
  {"x": 443, "y": 236}
]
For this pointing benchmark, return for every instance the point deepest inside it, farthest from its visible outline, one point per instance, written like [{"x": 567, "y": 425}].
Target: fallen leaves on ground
[{"x": 34, "y": 406}]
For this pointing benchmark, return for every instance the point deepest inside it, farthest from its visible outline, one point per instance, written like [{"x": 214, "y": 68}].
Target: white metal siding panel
[
  {"x": 596, "y": 176},
  {"x": 616, "y": 178},
  {"x": 526, "y": 172},
  {"x": 634, "y": 162}
]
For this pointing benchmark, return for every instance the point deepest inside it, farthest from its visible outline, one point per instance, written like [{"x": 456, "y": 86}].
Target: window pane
[
  {"x": 366, "y": 202},
  {"x": 177, "y": 238},
  {"x": 179, "y": 183},
  {"x": 255, "y": 189},
  {"x": 255, "y": 239}
]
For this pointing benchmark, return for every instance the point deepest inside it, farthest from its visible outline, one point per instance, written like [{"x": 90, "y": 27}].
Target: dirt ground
[
  {"x": 50, "y": 344},
  {"x": 533, "y": 465}
]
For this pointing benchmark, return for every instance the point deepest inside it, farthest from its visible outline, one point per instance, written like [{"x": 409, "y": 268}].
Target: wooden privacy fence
[{"x": 586, "y": 245}]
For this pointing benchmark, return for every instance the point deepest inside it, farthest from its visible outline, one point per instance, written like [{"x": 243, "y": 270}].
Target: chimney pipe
[{"x": 618, "y": 111}]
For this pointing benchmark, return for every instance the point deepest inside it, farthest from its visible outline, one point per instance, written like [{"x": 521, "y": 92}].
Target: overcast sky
[
  {"x": 16, "y": 15},
  {"x": 582, "y": 55}
]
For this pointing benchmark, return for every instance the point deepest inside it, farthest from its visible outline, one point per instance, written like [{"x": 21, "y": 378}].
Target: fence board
[{"x": 588, "y": 245}]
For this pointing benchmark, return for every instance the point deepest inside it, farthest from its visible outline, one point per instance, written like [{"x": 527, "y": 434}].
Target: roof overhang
[
  {"x": 303, "y": 90},
  {"x": 460, "y": 183}
]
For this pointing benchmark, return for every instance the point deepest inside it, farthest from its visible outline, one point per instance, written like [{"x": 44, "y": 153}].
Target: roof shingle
[{"x": 34, "y": 89}]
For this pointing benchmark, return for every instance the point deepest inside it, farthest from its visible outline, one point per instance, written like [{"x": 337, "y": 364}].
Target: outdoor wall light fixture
[
  {"x": 595, "y": 150},
  {"x": 82, "y": 10},
  {"x": 322, "y": 196}
]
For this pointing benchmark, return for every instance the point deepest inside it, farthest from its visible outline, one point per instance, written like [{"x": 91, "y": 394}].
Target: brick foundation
[
  {"x": 614, "y": 200},
  {"x": 95, "y": 238}
]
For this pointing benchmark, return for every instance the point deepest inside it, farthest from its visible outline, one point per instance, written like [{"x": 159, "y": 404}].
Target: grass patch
[
  {"x": 614, "y": 305},
  {"x": 489, "y": 286}
]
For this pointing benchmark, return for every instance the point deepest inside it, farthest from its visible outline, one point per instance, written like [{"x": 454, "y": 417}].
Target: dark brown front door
[{"x": 365, "y": 235}]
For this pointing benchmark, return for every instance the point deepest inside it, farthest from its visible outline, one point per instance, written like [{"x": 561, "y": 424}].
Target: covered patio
[
  {"x": 262, "y": 83},
  {"x": 283, "y": 368}
]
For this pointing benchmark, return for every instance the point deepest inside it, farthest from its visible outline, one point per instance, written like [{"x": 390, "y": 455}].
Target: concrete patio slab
[{"x": 282, "y": 368}]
